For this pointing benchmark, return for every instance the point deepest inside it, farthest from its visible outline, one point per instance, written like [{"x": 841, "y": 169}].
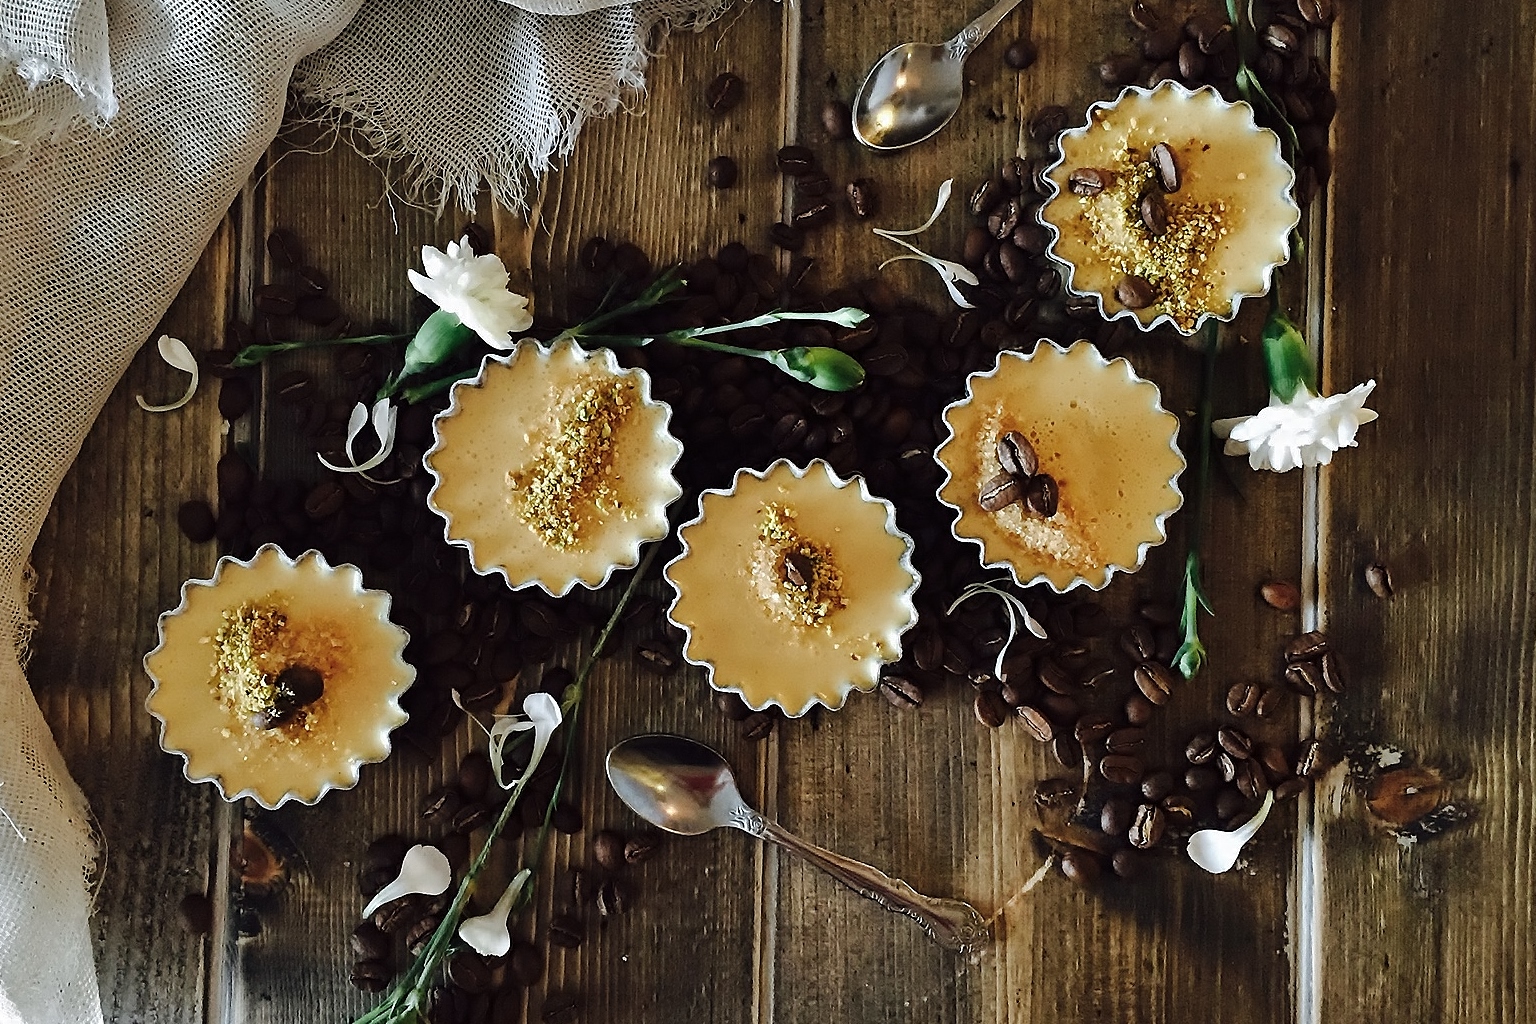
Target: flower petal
[
  {"x": 176, "y": 354},
  {"x": 424, "y": 870},
  {"x": 938, "y": 208},
  {"x": 384, "y": 416},
  {"x": 488, "y": 933}
]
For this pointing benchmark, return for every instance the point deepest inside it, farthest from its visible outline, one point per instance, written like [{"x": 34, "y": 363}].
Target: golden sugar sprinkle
[
  {"x": 564, "y": 484},
  {"x": 804, "y": 574}
]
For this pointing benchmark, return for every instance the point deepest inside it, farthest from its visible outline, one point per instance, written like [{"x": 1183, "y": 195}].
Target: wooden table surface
[{"x": 1419, "y": 273}]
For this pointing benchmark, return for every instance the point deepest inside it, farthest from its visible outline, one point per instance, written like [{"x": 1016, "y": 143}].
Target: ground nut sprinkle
[
  {"x": 564, "y": 484},
  {"x": 801, "y": 577},
  {"x": 1173, "y": 262},
  {"x": 241, "y": 645}
]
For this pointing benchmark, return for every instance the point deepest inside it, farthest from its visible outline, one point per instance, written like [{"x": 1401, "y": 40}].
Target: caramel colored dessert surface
[
  {"x": 1098, "y": 432},
  {"x": 1228, "y": 222},
  {"x": 814, "y": 635},
  {"x": 252, "y": 624},
  {"x": 555, "y": 467}
]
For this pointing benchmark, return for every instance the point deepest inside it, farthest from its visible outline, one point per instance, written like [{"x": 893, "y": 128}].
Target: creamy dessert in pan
[
  {"x": 794, "y": 586},
  {"x": 553, "y": 467},
  {"x": 278, "y": 678},
  {"x": 1170, "y": 204},
  {"x": 1061, "y": 465}
]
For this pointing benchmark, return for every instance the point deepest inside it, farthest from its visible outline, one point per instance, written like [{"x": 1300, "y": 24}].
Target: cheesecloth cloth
[{"x": 127, "y": 127}]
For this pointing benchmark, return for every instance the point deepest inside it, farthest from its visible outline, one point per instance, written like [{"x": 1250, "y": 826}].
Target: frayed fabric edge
[
  {"x": 90, "y": 108},
  {"x": 434, "y": 182}
]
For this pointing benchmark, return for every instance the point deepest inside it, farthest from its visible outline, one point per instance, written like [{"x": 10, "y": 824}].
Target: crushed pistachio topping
[
  {"x": 1173, "y": 262},
  {"x": 560, "y": 490},
  {"x": 804, "y": 573},
  {"x": 242, "y": 678}
]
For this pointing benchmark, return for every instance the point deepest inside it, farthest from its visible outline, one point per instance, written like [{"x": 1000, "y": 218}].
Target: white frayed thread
[{"x": 11, "y": 821}]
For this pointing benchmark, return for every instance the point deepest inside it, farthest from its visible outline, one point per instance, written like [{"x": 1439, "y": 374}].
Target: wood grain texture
[
  {"x": 109, "y": 560},
  {"x": 1434, "y": 300}
]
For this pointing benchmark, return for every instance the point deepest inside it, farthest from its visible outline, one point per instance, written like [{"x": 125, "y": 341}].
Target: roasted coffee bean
[
  {"x": 1115, "y": 816},
  {"x": 370, "y": 975},
  {"x": 442, "y": 804},
  {"x": 813, "y": 215},
  {"x": 1287, "y": 789},
  {"x": 385, "y": 853},
  {"x": 1092, "y": 728},
  {"x": 584, "y": 887},
  {"x": 1147, "y": 827},
  {"x": 999, "y": 492},
  {"x": 1121, "y": 769},
  {"x": 396, "y": 916},
  {"x": 631, "y": 262},
  {"x": 1079, "y": 866},
  {"x": 1212, "y": 32},
  {"x": 837, "y": 119},
  {"x": 1162, "y": 43},
  {"x": 1192, "y": 62},
  {"x": 1060, "y": 709},
  {"x": 1158, "y": 785},
  {"x": 1201, "y": 777},
  {"x": 724, "y": 92},
  {"x": 1089, "y": 181},
  {"x": 1242, "y": 699},
  {"x": 1269, "y": 701},
  {"x": 1041, "y": 496},
  {"x": 1054, "y": 677},
  {"x": 1276, "y": 765},
  {"x": 1037, "y": 722},
  {"x": 787, "y": 236},
  {"x": 525, "y": 965},
  {"x": 369, "y": 942},
  {"x": 757, "y": 725},
  {"x": 418, "y": 934},
  {"x": 284, "y": 248},
  {"x": 1138, "y": 643},
  {"x": 566, "y": 818},
  {"x": 1134, "y": 292},
  {"x": 596, "y": 254},
  {"x": 1317, "y": 13},
  {"x": 1308, "y": 759},
  {"x": 1229, "y": 803},
  {"x": 795, "y": 161},
  {"x": 660, "y": 656},
  {"x": 470, "y": 971},
  {"x": 640, "y": 848},
  {"x": 1004, "y": 219},
  {"x": 987, "y": 194},
  {"x": 722, "y": 172},
  {"x": 1234, "y": 742},
  {"x": 863, "y": 199},
  {"x": 196, "y": 521},
  {"x": 473, "y": 815},
  {"x": 1067, "y": 752},
  {"x": 234, "y": 398},
  {"x": 608, "y": 850},
  {"x": 989, "y": 708},
  {"x": 1226, "y": 766},
  {"x": 901, "y": 691},
  {"x": 1125, "y": 741},
  {"x": 1379, "y": 579},
  {"x": 1201, "y": 748},
  {"x": 1281, "y": 38},
  {"x": 1331, "y": 673},
  {"x": 1055, "y": 792},
  {"x": 1119, "y": 69},
  {"x": 1167, "y": 167},
  {"x": 324, "y": 500},
  {"x": 1305, "y": 677},
  {"x": 566, "y": 931},
  {"x": 1280, "y": 595},
  {"x": 1251, "y": 780},
  {"x": 1017, "y": 175},
  {"x": 1138, "y": 710},
  {"x": 1154, "y": 681},
  {"x": 612, "y": 898},
  {"x": 1048, "y": 123},
  {"x": 196, "y": 913},
  {"x": 731, "y": 706},
  {"x": 277, "y": 300},
  {"x": 1020, "y": 54},
  {"x": 1154, "y": 214}
]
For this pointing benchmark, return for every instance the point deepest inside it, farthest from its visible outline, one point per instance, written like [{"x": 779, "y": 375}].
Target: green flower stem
[
  {"x": 253, "y": 355},
  {"x": 421, "y": 392},
  {"x": 658, "y": 292},
  {"x": 408, "y": 996},
  {"x": 1191, "y": 654}
]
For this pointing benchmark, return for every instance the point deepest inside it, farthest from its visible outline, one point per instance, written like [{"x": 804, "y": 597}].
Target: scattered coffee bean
[
  {"x": 1269, "y": 701},
  {"x": 1125, "y": 741},
  {"x": 722, "y": 172},
  {"x": 1048, "y": 123},
  {"x": 196, "y": 913},
  {"x": 813, "y": 215},
  {"x": 1308, "y": 759},
  {"x": 660, "y": 656},
  {"x": 196, "y": 521},
  {"x": 1306, "y": 647},
  {"x": 1154, "y": 681},
  {"x": 1226, "y": 766},
  {"x": 757, "y": 726},
  {"x": 1242, "y": 699},
  {"x": 566, "y": 931},
  {"x": 787, "y": 236},
  {"x": 1041, "y": 496},
  {"x": 1119, "y": 69},
  {"x": 1115, "y": 816},
  {"x": 724, "y": 92},
  {"x": 1280, "y": 38},
  {"x": 1067, "y": 752},
  {"x": 1145, "y": 16},
  {"x": 1229, "y": 803},
  {"x": 1280, "y": 595},
  {"x": 1092, "y": 728},
  {"x": 1055, "y": 792},
  {"x": 476, "y": 815},
  {"x": 1201, "y": 777},
  {"x": 999, "y": 492},
  {"x": 526, "y": 964},
  {"x": 1305, "y": 677},
  {"x": 1167, "y": 167},
  {"x": 1251, "y": 780},
  {"x": 608, "y": 850},
  {"x": 470, "y": 972},
  {"x": 1317, "y": 13},
  {"x": 1138, "y": 710},
  {"x": 1037, "y": 722},
  {"x": 234, "y": 398},
  {"x": 370, "y": 943},
  {"x": 1054, "y": 677},
  {"x": 1287, "y": 789},
  {"x": 441, "y": 804},
  {"x": 795, "y": 161},
  {"x": 560, "y": 1008},
  {"x": 1331, "y": 673},
  {"x": 1234, "y": 742},
  {"x": 1275, "y": 763},
  {"x": 1090, "y": 181},
  {"x": 324, "y": 500},
  {"x": 1134, "y": 292},
  {"x": 1020, "y": 54},
  {"x": 370, "y": 975},
  {"x": 284, "y": 248},
  {"x": 475, "y": 774},
  {"x": 1178, "y": 810},
  {"x": 1157, "y": 786},
  {"x": 566, "y": 818},
  {"x": 901, "y": 691},
  {"x": 1148, "y": 826},
  {"x": 1201, "y": 748},
  {"x": 640, "y": 848},
  {"x": 1079, "y": 866},
  {"x": 1379, "y": 579},
  {"x": 1121, "y": 769},
  {"x": 837, "y": 120},
  {"x": 863, "y": 199}
]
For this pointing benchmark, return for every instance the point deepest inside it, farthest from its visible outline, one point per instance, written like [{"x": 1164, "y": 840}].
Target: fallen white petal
[
  {"x": 949, "y": 272},
  {"x": 1216, "y": 850},
  {"x": 488, "y": 933},
  {"x": 542, "y": 715},
  {"x": 175, "y": 352},
  {"x": 938, "y": 208},
  {"x": 425, "y": 870},
  {"x": 384, "y": 419}
]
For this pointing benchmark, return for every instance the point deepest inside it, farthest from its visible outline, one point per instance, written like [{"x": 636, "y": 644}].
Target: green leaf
[
  {"x": 1287, "y": 362},
  {"x": 826, "y": 368},
  {"x": 437, "y": 340}
]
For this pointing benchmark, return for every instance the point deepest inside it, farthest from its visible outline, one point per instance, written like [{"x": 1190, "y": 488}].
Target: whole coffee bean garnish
[
  {"x": 1067, "y": 752},
  {"x": 369, "y": 942},
  {"x": 1055, "y": 792},
  {"x": 1251, "y": 780},
  {"x": 1154, "y": 681},
  {"x": 1037, "y": 722},
  {"x": 901, "y": 691},
  {"x": 196, "y": 913},
  {"x": 1016, "y": 455},
  {"x": 1134, "y": 292},
  {"x": 999, "y": 492},
  {"x": 566, "y": 931},
  {"x": 608, "y": 850},
  {"x": 196, "y": 521},
  {"x": 1020, "y": 54},
  {"x": 1125, "y": 741},
  {"x": 1121, "y": 769},
  {"x": 1234, "y": 742},
  {"x": 757, "y": 725},
  {"x": 1041, "y": 496},
  {"x": 863, "y": 199},
  {"x": 1379, "y": 579},
  {"x": 1201, "y": 748},
  {"x": 442, "y": 804},
  {"x": 1167, "y": 167},
  {"x": 1242, "y": 699},
  {"x": 795, "y": 161},
  {"x": 1079, "y": 866},
  {"x": 1308, "y": 759},
  {"x": 837, "y": 119},
  {"x": 1115, "y": 816},
  {"x": 1147, "y": 828},
  {"x": 1331, "y": 673},
  {"x": 1138, "y": 710},
  {"x": 1089, "y": 181},
  {"x": 1119, "y": 69},
  {"x": 525, "y": 966},
  {"x": 1048, "y": 123},
  {"x": 724, "y": 92},
  {"x": 722, "y": 172},
  {"x": 1305, "y": 677},
  {"x": 1317, "y": 13},
  {"x": 560, "y": 1008},
  {"x": 370, "y": 975},
  {"x": 787, "y": 236},
  {"x": 989, "y": 708},
  {"x": 1092, "y": 728},
  {"x": 1280, "y": 595},
  {"x": 1154, "y": 214}
]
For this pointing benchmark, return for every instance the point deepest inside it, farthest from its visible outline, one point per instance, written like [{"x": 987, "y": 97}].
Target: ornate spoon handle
[
  {"x": 953, "y": 924},
  {"x": 971, "y": 36}
]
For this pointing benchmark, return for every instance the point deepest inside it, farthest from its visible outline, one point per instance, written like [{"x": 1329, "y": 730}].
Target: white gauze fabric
[{"x": 127, "y": 127}]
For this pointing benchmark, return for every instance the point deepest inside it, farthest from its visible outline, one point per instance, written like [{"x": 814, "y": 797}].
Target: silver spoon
[
  {"x": 915, "y": 89},
  {"x": 686, "y": 788}
]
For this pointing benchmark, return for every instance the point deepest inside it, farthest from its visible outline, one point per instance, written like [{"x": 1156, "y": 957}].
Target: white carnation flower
[
  {"x": 1305, "y": 431},
  {"x": 474, "y": 289}
]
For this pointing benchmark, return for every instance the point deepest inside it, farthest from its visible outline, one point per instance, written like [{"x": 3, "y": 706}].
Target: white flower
[
  {"x": 1305, "y": 431},
  {"x": 474, "y": 289}
]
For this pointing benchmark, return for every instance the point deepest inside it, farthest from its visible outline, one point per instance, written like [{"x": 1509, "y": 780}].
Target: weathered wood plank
[
  {"x": 109, "y": 560},
  {"x": 1433, "y": 299}
]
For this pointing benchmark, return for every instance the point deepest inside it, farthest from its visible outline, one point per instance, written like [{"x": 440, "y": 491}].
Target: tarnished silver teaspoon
[
  {"x": 915, "y": 89},
  {"x": 685, "y": 787}
]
